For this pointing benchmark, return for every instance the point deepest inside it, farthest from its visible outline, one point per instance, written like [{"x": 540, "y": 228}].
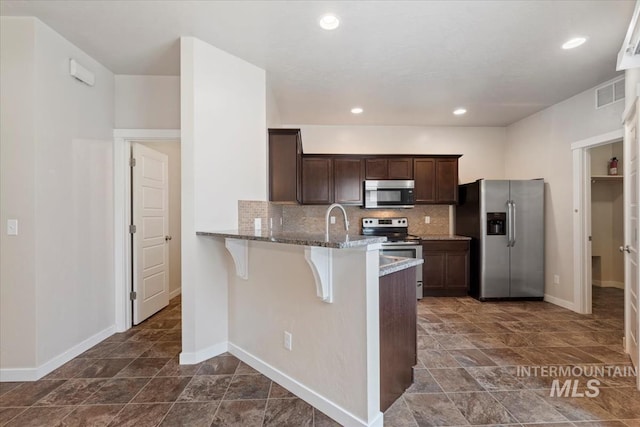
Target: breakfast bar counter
[
  {"x": 322, "y": 295},
  {"x": 336, "y": 240}
]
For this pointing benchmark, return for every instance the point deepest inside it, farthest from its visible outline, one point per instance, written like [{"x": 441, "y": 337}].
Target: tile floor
[
  {"x": 467, "y": 374},
  {"x": 469, "y": 353}
]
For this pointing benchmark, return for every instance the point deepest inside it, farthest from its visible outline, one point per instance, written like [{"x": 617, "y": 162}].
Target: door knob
[
  {"x": 167, "y": 238},
  {"x": 625, "y": 249}
]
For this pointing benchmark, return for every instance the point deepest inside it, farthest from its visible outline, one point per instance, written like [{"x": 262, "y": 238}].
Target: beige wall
[
  {"x": 172, "y": 150},
  {"x": 539, "y": 146},
  {"x": 147, "y": 102},
  {"x": 17, "y": 192},
  {"x": 273, "y": 113},
  {"x": 631, "y": 82},
  {"x": 57, "y": 134},
  {"x": 482, "y": 148},
  {"x": 224, "y": 159}
]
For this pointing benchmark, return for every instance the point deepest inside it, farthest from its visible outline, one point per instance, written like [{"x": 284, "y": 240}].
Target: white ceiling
[{"x": 404, "y": 62}]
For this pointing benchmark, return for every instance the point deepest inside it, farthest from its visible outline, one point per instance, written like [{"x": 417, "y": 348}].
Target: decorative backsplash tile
[
  {"x": 270, "y": 214},
  {"x": 311, "y": 219}
]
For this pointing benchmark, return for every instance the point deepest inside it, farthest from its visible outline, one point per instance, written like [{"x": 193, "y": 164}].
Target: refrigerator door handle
[
  {"x": 513, "y": 217},
  {"x": 508, "y": 223}
]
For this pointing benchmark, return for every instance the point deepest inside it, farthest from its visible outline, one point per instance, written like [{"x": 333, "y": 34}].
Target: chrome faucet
[{"x": 329, "y": 209}]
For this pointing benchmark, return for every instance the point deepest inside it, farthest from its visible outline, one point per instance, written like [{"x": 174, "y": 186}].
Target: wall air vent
[{"x": 610, "y": 93}]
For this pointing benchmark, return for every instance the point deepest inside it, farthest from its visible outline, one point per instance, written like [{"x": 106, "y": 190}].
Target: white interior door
[
  {"x": 150, "y": 191},
  {"x": 631, "y": 236}
]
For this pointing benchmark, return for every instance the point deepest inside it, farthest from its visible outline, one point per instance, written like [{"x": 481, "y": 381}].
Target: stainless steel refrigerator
[{"x": 505, "y": 220}]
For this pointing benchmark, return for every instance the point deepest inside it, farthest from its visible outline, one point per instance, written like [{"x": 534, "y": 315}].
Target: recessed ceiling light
[
  {"x": 574, "y": 42},
  {"x": 357, "y": 110},
  {"x": 329, "y": 22},
  {"x": 459, "y": 111}
]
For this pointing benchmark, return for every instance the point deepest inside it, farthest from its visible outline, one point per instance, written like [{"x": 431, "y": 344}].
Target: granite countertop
[
  {"x": 336, "y": 240},
  {"x": 395, "y": 264},
  {"x": 444, "y": 237}
]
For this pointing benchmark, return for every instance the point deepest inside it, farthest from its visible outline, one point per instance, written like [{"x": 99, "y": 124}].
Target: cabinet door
[
  {"x": 457, "y": 270},
  {"x": 424, "y": 172},
  {"x": 348, "y": 176},
  {"x": 446, "y": 268},
  {"x": 400, "y": 168},
  {"x": 285, "y": 150},
  {"x": 317, "y": 180},
  {"x": 376, "y": 169},
  {"x": 433, "y": 272},
  {"x": 447, "y": 181}
]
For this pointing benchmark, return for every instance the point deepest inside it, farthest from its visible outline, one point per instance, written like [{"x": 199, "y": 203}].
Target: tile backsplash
[
  {"x": 269, "y": 213},
  {"x": 310, "y": 218}
]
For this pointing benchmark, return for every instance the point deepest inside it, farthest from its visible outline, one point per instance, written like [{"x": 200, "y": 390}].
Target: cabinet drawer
[{"x": 445, "y": 245}]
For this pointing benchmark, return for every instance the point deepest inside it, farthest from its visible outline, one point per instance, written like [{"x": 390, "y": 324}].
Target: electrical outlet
[
  {"x": 257, "y": 223},
  {"x": 288, "y": 338},
  {"x": 333, "y": 219},
  {"x": 427, "y": 220},
  {"x": 12, "y": 227},
  {"x": 556, "y": 279}
]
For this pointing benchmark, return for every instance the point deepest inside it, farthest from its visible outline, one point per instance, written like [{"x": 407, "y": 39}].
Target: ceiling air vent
[{"x": 610, "y": 93}]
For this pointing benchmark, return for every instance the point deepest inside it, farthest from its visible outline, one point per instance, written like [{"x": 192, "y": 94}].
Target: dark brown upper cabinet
[
  {"x": 324, "y": 178},
  {"x": 389, "y": 168},
  {"x": 317, "y": 180},
  {"x": 447, "y": 181},
  {"x": 436, "y": 180},
  {"x": 285, "y": 156},
  {"x": 400, "y": 168},
  {"x": 348, "y": 175},
  {"x": 424, "y": 172}
]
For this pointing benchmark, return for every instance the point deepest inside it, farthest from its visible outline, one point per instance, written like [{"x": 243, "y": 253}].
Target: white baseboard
[
  {"x": 34, "y": 374},
  {"x": 174, "y": 293},
  {"x": 569, "y": 305},
  {"x": 204, "y": 354},
  {"x": 336, "y": 412},
  {"x": 608, "y": 284}
]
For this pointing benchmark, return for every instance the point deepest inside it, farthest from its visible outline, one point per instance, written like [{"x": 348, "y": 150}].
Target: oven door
[{"x": 407, "y": 251}]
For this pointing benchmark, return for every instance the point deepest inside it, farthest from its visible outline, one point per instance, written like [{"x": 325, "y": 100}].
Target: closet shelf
[{"x": 606, "y": 178}]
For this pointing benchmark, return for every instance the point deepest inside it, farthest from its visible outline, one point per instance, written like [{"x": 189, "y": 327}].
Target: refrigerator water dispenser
[{"x": 496, "y": 223}]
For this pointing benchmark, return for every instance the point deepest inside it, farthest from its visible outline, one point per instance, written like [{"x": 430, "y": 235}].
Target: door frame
[
  {"x": 582, "y": 216},
  {"x": 122, "y": 139}
]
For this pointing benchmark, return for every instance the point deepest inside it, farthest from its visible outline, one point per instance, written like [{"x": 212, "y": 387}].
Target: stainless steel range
[{"x": 399, "y": 241}]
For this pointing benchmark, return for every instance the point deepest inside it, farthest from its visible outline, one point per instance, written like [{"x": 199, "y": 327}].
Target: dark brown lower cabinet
[
  {"x": 445, "y": 271},
  {"x": 397, "y": 334}
]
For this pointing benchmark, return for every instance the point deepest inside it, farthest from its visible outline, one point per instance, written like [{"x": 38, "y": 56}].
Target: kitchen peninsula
[{"x": 306, "y": 311}]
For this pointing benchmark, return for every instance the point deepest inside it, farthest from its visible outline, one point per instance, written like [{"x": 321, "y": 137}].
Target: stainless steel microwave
[{"x": 389, "y": 194}]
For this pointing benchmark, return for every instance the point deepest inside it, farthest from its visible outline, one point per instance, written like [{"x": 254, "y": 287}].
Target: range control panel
[{"x": 384, "y": 222}]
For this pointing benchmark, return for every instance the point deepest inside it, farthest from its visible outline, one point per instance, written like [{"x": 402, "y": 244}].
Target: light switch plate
[{"x": 12, "y": 227}]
